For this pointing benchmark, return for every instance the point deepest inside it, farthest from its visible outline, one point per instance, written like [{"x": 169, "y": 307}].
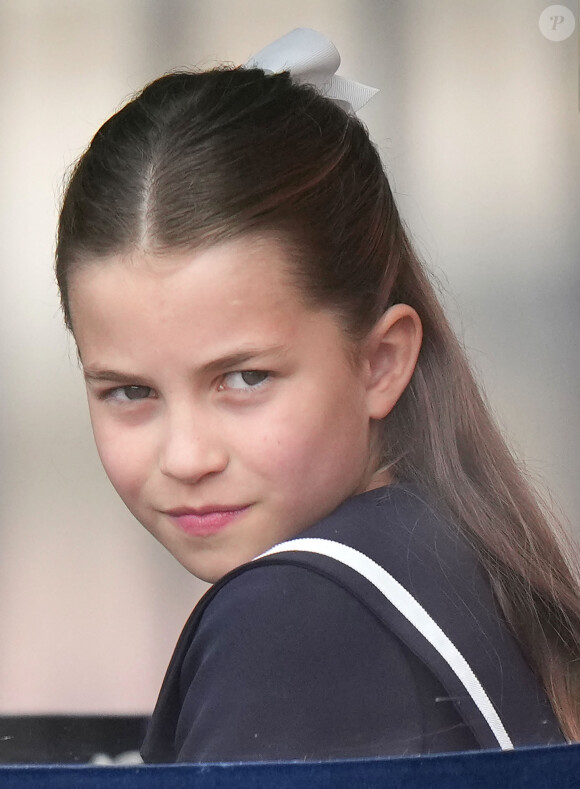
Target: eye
[
  {"x": 245, "y": 379},
  {"x": 124, "y": 394}
]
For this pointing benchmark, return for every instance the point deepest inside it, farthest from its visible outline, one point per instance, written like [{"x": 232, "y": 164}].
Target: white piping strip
[{"x": 413, "y": 611}]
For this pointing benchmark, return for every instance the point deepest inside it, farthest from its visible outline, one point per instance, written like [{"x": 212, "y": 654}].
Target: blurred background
[{"x": 478, "y": 125}]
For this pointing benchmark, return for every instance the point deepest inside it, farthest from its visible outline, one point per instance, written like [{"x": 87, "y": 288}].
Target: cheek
[
  {"x": 303, "y": 445},
  {"x": 270, "y": 450},
  {"x": 123, "y": 456}
]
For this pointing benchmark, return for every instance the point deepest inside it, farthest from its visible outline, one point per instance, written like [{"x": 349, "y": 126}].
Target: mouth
[{"x": 204, "y": 521}]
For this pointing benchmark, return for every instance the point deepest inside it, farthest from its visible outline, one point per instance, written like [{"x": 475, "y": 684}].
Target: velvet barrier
[{"x": 532, "y": 768}]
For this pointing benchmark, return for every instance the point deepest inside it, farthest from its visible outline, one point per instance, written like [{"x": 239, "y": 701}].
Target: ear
[{"x": 391, "y": 351}]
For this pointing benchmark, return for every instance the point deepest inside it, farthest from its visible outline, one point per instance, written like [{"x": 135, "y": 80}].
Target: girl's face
[{"x": 227, "y": 414}]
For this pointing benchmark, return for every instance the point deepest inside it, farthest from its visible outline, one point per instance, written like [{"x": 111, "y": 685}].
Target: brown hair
[{"x": 197, "y": 158}]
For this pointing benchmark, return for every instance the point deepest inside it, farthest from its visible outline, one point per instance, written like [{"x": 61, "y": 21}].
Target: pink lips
[{"x": 203, "y": 522}]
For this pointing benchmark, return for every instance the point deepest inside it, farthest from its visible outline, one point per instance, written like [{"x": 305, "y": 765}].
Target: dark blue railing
[{"x": 534, "y": 768}]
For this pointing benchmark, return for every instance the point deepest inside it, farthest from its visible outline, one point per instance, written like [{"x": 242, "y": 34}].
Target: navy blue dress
[{"x": 298, "y": 656}]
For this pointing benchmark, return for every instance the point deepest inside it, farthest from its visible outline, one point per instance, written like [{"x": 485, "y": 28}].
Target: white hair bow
[{"x": 312, "y": 59}]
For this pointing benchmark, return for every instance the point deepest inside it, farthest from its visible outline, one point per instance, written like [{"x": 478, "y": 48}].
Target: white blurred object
[
  {"x": 313, "y": 59},
  {"x": 126, "y": 758}
]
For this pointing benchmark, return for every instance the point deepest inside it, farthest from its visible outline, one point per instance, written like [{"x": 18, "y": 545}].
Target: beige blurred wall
[{"x": 478, "y": 124}]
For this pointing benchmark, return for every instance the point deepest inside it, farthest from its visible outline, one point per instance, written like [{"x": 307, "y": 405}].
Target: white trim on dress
[{"x": 413, "y": 611}]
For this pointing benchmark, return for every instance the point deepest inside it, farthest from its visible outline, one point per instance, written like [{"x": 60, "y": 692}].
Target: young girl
[{"x": 267, "y": 365}]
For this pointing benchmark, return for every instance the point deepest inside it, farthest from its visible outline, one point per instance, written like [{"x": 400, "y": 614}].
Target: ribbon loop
[{"x": 312, "y": 59}]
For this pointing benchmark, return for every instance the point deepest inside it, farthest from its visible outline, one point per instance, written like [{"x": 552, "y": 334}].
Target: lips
[{"x": 204, "y": 521}]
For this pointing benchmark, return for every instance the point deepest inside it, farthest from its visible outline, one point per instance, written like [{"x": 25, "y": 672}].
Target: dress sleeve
[{"x": 286, "y": 664}]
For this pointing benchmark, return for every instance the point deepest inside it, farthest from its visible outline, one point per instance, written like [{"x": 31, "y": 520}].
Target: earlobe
[{"x": 391, "y": 355}]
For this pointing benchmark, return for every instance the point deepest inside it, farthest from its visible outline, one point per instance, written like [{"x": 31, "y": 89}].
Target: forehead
[
  {"x": 203, "y": 298},
  {"x": 232, "y": 270}
]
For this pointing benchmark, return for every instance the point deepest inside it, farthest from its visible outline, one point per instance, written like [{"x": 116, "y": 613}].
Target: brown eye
[
  {"x": 253, "y": 377},
  {"x": 137, "y": 392},
  {"x": 245, "y": 380},
  {"x": 123, "y": 394}
]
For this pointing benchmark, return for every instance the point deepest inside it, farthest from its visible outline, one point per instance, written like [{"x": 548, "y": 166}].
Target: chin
[{"x": 210, "y": 571}]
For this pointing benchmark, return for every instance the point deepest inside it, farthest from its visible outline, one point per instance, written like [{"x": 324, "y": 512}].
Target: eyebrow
[
  {"x": 228, "y": 361},
  {"x": 113, "y": 376}
]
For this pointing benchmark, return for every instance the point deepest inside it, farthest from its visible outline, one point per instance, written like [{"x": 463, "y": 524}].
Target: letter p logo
[{"x": 557, "y": 22}]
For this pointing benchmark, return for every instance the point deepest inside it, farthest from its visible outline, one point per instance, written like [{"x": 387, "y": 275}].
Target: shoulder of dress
[{"x": 403, "y": 531}]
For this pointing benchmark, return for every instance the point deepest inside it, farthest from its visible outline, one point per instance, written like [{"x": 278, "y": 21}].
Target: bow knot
[{"x": 312, "y": 59}]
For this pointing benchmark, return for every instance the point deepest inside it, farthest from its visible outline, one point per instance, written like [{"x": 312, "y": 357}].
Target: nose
[{"x": 191, "y": 447}]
